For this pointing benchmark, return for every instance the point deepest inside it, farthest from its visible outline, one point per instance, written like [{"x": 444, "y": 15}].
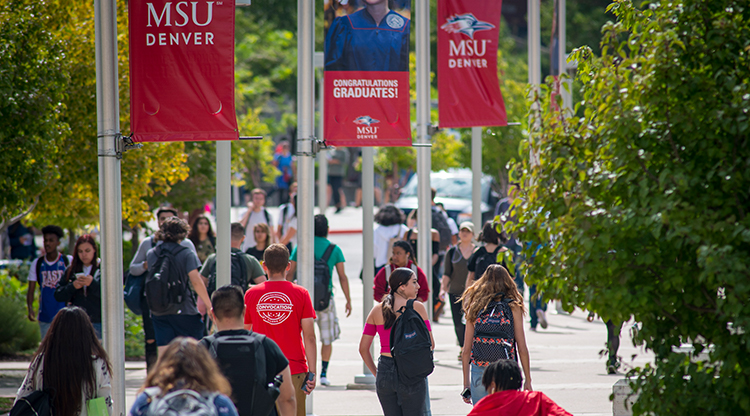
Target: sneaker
[
  {"x": 613, "y": 364},
  {"x": 542, "y": 317},
  {"x": 324, "y": 381},
  {"x": 533, "y": 328}
]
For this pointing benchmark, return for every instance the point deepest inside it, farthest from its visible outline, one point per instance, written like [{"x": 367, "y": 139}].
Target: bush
[{"x": 17, "y": 333}]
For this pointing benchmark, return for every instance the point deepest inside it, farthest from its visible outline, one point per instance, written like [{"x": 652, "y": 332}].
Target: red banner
[
  {"x": 182, "y": 70},
  {"x": 367, "y": 74},
  {"x": 468, "y": 87}
]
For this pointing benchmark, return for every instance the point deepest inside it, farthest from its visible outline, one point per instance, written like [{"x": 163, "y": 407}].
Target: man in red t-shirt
[{"x": 283, "y": 311}]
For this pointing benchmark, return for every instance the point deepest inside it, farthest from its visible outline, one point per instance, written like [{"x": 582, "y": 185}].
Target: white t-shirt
[
  {"x": 32, "y": 271},
  {"x": 381, "y": 236},
  {"x": 288, "y": 221},
  {"x": 255, "y": 218}
]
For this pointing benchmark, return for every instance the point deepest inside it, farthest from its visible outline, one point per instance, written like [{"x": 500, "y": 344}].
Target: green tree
[
  {"x": 32, "y": 83},
  {"x": 639, "y": 207}
]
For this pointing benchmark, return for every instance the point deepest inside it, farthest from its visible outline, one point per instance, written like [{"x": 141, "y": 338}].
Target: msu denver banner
[
  {"x": 182, "y": 70},
  {"x": 468, "y": 87},
  {"x": 367, "y": 73}
]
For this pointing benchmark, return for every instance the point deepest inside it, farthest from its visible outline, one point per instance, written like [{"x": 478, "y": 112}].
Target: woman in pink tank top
[{"x": 395, "y": 397}]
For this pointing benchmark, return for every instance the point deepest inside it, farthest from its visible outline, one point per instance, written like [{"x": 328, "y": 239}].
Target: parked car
[{"x": 454, "y": 191}]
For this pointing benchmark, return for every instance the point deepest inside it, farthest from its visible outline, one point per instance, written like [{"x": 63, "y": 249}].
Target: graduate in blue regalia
[{"x": 374, "y": 38}]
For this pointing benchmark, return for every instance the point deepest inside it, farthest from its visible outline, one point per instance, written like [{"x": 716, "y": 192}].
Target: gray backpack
[{"x": 183, "y": 402}]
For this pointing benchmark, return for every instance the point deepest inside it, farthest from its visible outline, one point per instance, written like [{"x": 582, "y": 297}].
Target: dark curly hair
[
  {"x": 390, "y": 215},
  {"x": 173, "y": 230}
]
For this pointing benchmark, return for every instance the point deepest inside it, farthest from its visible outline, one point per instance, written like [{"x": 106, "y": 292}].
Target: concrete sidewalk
[
  {"x": 565, "y": 359},
  {"x": 348, "y": 221}
]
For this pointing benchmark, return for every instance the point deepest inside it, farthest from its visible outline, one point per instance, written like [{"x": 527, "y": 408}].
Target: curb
[{"x": 344, "y": 231}]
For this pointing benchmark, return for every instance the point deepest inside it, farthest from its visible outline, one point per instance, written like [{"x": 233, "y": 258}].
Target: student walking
[
  {"x": 256, "y": 213},
  {"x": 390, "y": 227},
  {"x": 81, "y": 284},
  {"x": 47, "y": 271},
  {"x": 487, "y": 254},
  {"x": 502, "y": 380},
  {"x": 185, "y": 375},
  {"x": 396, "y": 398},
  {"x": 175, "y": 316},
  {"x": 454, "y": 279},
  {"x": 139, "y": 267},
  {"x": 229, "y": 312},
  {"x": 70, "y": 362},
  {"x": 401, "y": 256},
  {"x": 262, "y": 234},
  {"x": 494, "y": 325},
  {"x": 283, "y": 311},
  {"x": 328, "y": 322},
  {"x": 202, "y": 237}
]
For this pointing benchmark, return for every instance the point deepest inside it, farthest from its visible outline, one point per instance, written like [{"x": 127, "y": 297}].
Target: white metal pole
[
  {"x": 322, "y": 155},
  {"x": 424, "y": 163},
  {"x": 368, "y": 261},
  {"x": 476, "y": 179},
  {"x": 535, "y": 68},
  {"x": 223, "y": 213},
  {"x": 110, "y": 196},
  {"x": 562, "y": 57},
  {"x": 305, "y": 164},
  {"x": 534, "y": 46}
]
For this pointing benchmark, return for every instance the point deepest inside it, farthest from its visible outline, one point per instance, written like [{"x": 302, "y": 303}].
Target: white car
[{"x": 454, "y": 191}]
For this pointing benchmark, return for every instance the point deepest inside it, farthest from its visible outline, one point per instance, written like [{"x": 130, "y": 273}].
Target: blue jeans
[
  {"x": 398, "y": 399},
  {"x": 535, "y": 304},
  {"x": 477, "y": 388},
  {"x": 43, "y": 328}
]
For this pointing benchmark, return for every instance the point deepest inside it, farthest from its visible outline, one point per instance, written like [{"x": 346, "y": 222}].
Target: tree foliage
[
  {"x": 32, "y": 83},
  {"x": 640, "y": 207}
]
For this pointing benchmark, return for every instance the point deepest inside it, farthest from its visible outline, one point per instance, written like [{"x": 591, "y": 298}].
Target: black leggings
[
  {"x": 613, "y": 339},
  {"x": 458, "y": 315}
]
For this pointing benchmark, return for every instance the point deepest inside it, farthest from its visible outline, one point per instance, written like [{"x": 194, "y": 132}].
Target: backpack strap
[
  {"x": 268, "y": 216},
  {"x": 39, "y": 270},
  {"x": 66, "y": 262},
  {"x": 328, "y": 252}
]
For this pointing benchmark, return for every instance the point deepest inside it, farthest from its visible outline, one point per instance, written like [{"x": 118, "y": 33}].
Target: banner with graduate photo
[{"x": 367, "y": 73}]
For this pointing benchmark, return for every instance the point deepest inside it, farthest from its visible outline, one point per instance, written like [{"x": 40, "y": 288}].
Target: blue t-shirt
[
  {"x": 51, "y": 275},
  {"x": 285, "y": 170},
  {"x": 224, "y": 405},
  {"x": 356, "y": 43}
]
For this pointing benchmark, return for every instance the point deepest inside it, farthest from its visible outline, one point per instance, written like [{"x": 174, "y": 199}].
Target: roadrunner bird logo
[
  {"x": 365, "y": 121},
  {"x": 465, "y": 23}
]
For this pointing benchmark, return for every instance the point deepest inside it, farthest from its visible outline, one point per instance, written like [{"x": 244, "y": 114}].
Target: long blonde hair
[{"x": 495, "y": 284}]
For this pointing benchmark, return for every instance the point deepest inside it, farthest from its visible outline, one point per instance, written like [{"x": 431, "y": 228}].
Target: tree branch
[
  {"x": 667, "y": 314},
  {"x": 5, "y": 224}
]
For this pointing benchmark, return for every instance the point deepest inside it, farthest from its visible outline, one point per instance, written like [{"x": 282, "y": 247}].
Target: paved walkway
[{"x": 565, "y": 358}]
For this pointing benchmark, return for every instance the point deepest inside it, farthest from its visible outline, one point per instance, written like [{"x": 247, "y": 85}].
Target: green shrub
[
  {"x": 133, "y": 334},
  {"x": 17, "y": 333}
]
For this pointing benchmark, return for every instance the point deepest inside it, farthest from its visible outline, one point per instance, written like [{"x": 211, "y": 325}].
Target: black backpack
[
  {"x": 323, "y": 280},
  {"x": 411, "y": 347},
  {"x": 166, "y": 282},
  {"x": 239, "y": 273},
  {"x": 486, "y": 260},
  {"x": 441, "y": 225},
  {"x": 242, "y": 360},
  {"x": 38, "y": 403}
]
